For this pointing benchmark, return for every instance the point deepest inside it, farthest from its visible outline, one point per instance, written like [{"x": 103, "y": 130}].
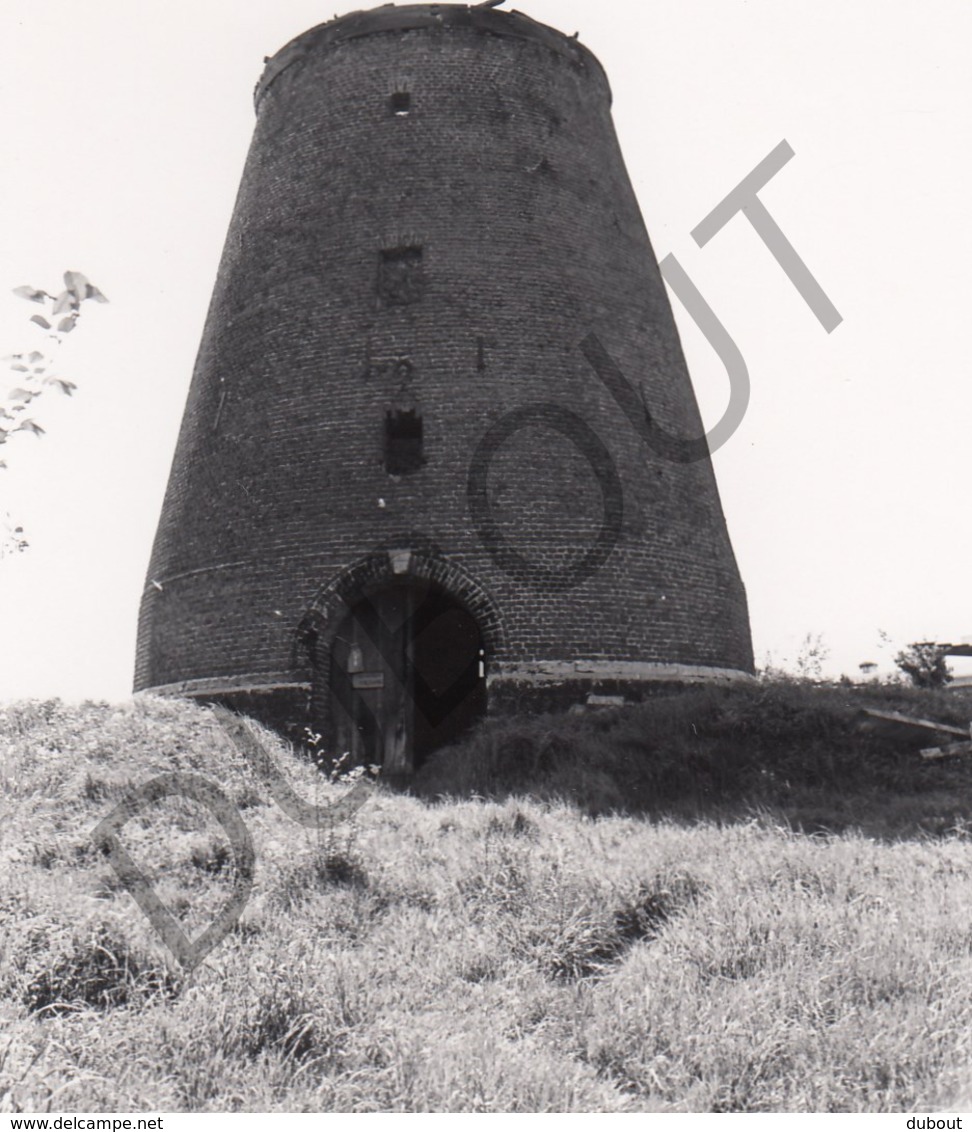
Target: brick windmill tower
[{"x": 402, "y": 495}]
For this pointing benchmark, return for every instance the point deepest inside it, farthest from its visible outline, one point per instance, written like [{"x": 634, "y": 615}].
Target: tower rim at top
[{"x": 416, "y": 17}]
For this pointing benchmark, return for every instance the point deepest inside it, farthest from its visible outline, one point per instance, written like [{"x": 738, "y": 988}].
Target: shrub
[{"x": 925, "y": 663}]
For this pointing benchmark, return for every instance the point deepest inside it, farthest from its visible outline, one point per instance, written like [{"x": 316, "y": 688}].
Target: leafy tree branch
[{"x": 36, "y": 374}]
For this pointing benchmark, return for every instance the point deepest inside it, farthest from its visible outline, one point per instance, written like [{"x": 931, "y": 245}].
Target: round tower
[{"x": 404, "y": 491}]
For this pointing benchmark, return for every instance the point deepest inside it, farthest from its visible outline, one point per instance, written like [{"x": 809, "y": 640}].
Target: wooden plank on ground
[
  {"x": 912, "y": 721},
  {"x": 948, "y": 751}
]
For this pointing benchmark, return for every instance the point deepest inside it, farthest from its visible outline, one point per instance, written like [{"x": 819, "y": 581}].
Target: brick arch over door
[{"x": 335, "y": 599}]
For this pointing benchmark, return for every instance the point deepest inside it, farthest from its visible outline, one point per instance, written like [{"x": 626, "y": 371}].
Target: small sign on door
[{"x": 368, "y": 680}]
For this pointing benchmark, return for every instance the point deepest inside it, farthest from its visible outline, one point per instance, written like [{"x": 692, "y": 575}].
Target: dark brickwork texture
[{"x": 507, "y": 174}]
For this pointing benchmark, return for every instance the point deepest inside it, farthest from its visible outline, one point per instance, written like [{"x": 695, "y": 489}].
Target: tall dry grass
[{"x": 513, "y": 955}]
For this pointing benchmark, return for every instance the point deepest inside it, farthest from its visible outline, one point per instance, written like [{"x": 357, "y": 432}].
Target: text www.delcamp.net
[{"x": 76, "y": 1123}]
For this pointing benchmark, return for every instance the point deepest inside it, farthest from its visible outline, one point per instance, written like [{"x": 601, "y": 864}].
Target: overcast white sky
[{"x": 124, "y": 129}]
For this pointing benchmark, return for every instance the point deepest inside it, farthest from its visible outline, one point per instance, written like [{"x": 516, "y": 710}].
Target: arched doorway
[{"x": 407, "y": 675}]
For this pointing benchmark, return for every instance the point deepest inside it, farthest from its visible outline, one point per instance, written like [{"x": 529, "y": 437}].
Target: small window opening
[
  {"x": 400, "y": 103},
  {"x": 403, "y": 442},
  {"x": 400, "y": 277}
]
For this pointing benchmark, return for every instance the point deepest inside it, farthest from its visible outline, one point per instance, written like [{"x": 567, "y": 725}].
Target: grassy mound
[
  {"x": 516, "y": 955},
  {"x": 800, "y": 752}
]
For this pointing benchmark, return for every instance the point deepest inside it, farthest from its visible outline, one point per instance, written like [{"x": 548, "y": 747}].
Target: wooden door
[
  {"x": 407, "y": 676},
  {"x": 371, "y": 676}
]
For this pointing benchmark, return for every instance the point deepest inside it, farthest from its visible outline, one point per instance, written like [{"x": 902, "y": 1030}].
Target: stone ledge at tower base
[
  {"x": 284, "y": 704},
  {"x": 277, "y": 701},
  {"x": 557, "y": 685}
]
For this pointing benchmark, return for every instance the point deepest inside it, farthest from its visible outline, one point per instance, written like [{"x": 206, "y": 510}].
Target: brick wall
[{"x": 507, "y": 174}]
